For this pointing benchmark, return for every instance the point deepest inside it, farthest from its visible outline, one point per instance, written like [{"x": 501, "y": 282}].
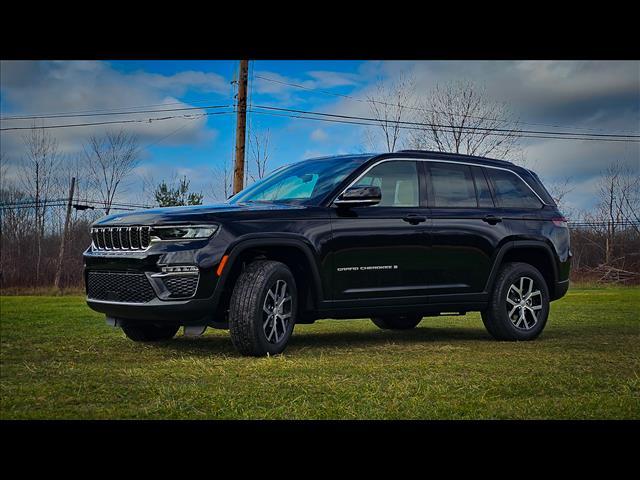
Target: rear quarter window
[{"x": 511, "y": 192}]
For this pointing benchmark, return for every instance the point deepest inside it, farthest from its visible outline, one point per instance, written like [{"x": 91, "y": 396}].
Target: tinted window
[
  {"x": 482, "y": 188},
  {"x": 398, "y": 182},
  {"x": 452, "y": 185},
  {"x": 510, "y": 191}
]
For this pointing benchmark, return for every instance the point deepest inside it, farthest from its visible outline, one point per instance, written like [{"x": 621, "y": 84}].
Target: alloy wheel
[
  {"x": 277, "y": 312},
  {"x": 524, "y": 301}
]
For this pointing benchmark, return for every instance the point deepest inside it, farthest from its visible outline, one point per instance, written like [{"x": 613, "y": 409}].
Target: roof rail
[{"x": 476, "y": 157}]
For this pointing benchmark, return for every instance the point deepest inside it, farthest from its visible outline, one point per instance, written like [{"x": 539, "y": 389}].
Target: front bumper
[
  {"x": 162, "y": 305},
  {"x": 197, "y": 311}
]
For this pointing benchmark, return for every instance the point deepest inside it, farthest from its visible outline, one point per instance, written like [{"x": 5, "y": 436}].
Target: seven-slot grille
[
  {"x": 121, "y": 238},
  {"x": 119, "y": 287}
]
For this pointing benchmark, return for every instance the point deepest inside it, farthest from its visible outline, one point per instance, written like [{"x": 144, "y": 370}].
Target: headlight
[{"x": 183, "y": 233}]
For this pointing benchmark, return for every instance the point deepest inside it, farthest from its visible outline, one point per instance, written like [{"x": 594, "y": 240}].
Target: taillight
[{"x": 560, "y": 222}]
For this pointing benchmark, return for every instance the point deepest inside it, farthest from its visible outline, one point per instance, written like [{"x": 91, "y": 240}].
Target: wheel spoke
[
  {"x": 264, "y": 327},
  {"x": 271, "y": 295},
  {"x": 537, "y": 293},
  {"x": 284, "y": 325},
  {"x": 284, "y": 300},
  {"x": 513, "y": 310},
  {"x": 530, "y": 287},
  {"x": 511, "y": 301}
]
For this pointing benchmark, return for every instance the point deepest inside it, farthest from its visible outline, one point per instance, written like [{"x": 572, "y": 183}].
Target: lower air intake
[{"x": 119, "y": 287}]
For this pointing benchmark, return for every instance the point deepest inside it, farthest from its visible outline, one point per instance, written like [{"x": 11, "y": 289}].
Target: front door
[{"x": 379, "y": 251}]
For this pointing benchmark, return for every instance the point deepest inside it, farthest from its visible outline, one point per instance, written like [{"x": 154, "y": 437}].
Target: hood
[{"x": 194, "y": 213}]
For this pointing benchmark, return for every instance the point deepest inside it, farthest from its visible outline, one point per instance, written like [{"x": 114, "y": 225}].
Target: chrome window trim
[{"x": 404, "y": 159}]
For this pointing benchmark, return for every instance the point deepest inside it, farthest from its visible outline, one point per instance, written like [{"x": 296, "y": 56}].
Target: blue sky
[{"x": 597, "y": 95}]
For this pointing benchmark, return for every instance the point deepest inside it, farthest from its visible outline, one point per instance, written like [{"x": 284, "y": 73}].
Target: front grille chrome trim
[{"x": 129, "y": 239}]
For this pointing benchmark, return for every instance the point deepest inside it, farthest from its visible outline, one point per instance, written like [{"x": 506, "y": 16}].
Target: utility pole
[
  {"x": 67, "y": 219},
  {"x": 241, "y": 125}
]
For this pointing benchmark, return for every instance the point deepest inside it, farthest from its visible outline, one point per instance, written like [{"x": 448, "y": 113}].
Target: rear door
[
  {"x": 465, "y": 229},
  {"x": 380, "y": 251}
]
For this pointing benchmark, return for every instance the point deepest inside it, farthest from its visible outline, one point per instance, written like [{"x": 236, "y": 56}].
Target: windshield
[{"x": 304, "y": 182}]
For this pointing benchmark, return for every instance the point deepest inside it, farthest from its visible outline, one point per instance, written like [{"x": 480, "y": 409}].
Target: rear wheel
[
  {"x": 519, "y": 304},
  {"x": 403, "y": 322},
  {"x": 150, "y": 333},
  {"x": 263, "y": 308}
]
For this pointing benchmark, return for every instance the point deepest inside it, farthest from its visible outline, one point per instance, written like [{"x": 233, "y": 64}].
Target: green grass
[{"x": 59, "y": 360}]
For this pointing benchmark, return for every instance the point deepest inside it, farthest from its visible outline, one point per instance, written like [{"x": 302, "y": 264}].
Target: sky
[{"x": 597, "y": 96}]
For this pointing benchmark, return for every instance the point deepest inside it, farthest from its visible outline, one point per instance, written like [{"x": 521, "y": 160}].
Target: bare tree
[
  {"x": 619, "y": 203},
  {"x": 459, "y": 117},
  {"x": 559, "y": 190},
  {"x": 221, "y": 187},
  {"x": 390, "y": 104},
  {"x": 111, "y": 158},
  {"x": 39, "y": 168},
  {"x": 260, "y": 151}
]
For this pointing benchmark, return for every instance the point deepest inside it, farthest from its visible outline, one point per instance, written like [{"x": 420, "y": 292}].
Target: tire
[
  {"x": 496, "y": 317},
  {"x": 150, "y": 333},
  {"x": 404, "y": 322},
  {"x": 254, "y": 330}
]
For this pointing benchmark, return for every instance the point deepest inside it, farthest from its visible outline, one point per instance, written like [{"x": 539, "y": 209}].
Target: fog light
[{"x": 180, "y": 269}]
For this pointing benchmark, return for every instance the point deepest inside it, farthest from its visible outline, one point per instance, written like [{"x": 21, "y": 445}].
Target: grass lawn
[{"x": 60, "y": 360}]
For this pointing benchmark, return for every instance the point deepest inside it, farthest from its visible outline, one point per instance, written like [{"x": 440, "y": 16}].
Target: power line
[
  {"x": 350, "y": 97},
  {"x": 112, "y": 112},
  {"x": 145, "y": 120},
  {"x": 376, "y": 123},
  {"x": 435, "y": 125}
]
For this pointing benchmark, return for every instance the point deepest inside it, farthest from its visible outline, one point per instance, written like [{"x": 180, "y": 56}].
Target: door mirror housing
[{"x": 359, "y": 197}]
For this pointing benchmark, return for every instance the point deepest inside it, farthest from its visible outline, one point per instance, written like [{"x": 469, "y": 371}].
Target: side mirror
[{"x": 359, "y": 197}]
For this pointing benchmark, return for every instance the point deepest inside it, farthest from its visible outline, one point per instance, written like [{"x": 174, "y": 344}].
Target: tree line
[
  {"x": 34, "y": 196},
  {"x": 605, "y": 240}
]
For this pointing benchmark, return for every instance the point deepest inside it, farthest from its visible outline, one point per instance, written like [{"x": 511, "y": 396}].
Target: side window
[
  {"x": 398, "y": 182},
  {"x": 482, "y": 188},
  {"x": 452, "y": 185},
  {"x": 510, "y": 191}
]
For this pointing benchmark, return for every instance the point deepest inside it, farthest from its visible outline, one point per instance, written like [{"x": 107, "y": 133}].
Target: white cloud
[
  {"x": 595, "y": 96},
  {"x": 30, "y": 87},
  {"x": 319, "y": 135}
]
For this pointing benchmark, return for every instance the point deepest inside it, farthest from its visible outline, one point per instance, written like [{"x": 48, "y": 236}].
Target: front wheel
[
  {"x": 402, "y": 322},
  {"x": 263, "y": 306},
  {"x": 519, "y": 304}
]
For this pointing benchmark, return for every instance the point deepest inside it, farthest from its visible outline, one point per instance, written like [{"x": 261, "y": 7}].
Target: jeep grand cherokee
[{"x": 394, "y": 237}]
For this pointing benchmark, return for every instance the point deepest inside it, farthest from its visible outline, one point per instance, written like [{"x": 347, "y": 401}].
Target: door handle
[
  {"x": 491, "y": 219},
  {"x": 414, "y": 219}
]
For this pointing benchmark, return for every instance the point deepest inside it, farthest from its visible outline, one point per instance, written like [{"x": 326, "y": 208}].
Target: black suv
[{"x": 394, "y": 237}]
